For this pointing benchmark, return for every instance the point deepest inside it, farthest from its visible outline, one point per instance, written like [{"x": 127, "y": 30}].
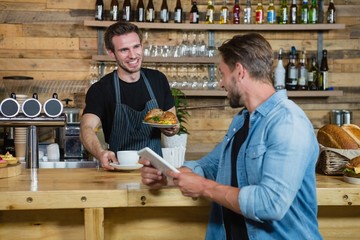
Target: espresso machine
[{"x": 68, "y": 137}]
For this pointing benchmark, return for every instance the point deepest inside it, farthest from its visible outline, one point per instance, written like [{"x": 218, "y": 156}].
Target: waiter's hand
[
  {"x": 106, "y": 157},
  {"x": 170, "y": 131}
]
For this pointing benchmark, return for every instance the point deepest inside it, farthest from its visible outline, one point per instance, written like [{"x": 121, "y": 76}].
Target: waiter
[{"x": 120, "y": 100}]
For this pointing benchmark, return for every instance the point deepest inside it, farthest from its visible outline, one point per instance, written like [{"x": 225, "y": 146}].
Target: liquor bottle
[
  {"x": 271, "y": 13},
  {"x": 279, "y": 73},
  {"x": 324, "y": 72},
  {"x": 283, "y": 13},
  {"x": 164, "y": 12},
  {"x": 313, "y": 74},
  {"x": 99, "y": 10},
  {"x": 302, "y": 73},
  {"x": 114, "y": 10},
  {"x": 9, "y": 145},
  {"x": 224, "y": 13},
  {"x": 210, "y": 12},
  {"x": 305, "y": 12},
  {"x": 247, "y": 12},
  {"x": 236, "y": 12},
  {"x": 259, "y": 13},
  {"x": 178, "y": 12},
  {"x": 293, "y": 12},
  {"x": 331, "y": 12},
  {"x": 150, "y": 12},
  {"x": 194, "y": 13},
  {"x": 127, "y": 11},
  {"x": 140, "y": 11},
  {"x": 292, "y": 71},
  {"x": 313, "y": 12}
]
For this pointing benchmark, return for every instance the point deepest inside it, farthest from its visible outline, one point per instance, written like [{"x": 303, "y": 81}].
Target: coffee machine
[
  {"x": 69, "y": 135},
  {"x": 73, "y": 149}
]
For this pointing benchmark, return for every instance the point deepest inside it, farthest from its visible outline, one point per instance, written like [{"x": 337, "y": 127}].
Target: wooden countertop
[{"x": 96, "y": 188}]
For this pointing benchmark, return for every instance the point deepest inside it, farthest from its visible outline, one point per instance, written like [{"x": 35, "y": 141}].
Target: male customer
[
  {"x": 261, "y": 178},
  {"x": 121, "y": 99}
]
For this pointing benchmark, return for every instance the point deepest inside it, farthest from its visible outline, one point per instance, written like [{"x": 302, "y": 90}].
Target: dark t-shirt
[{"x": 100, "y": 98}]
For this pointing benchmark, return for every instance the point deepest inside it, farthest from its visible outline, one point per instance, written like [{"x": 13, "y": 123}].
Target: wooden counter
[{"x": 58, "y": 203}]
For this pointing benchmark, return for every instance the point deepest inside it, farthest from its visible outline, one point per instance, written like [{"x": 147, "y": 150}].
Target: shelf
[
  {"x": 224, "y": 27},
  {"x": 291, "y": 94},
  {"x": 106, "y": 58}
]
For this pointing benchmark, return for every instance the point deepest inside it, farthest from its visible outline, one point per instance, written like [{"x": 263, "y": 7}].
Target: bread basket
[{"x": 332, "y": 161}]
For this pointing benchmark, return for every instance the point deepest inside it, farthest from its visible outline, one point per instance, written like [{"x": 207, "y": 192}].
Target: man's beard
[
  {"x": 234, "y": 97},
  {"x": 234, "y": 101}
]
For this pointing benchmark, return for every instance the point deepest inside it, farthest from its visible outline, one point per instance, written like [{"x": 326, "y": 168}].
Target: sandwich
[
  {"x": 352, "y": 168},
  {"x": 159, "y": 116}
]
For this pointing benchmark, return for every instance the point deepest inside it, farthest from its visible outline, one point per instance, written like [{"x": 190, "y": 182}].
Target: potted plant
[{"x": 182, "y": 114}]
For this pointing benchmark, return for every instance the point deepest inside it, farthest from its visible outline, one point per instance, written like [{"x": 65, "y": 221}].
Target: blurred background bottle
[
  {"x": 305, "y": 12},
  {"x": 224, "y": 13},
  {"x": 236, "y": 12},
  {"x": 248, "y": 12},
  {"x": 140, "y": 11},
  {"x": 150, "y": 12},
  {"x": 324, "y": 72},
  {"x": 313, "y": 74},
  {"x": 194, "y": 13},
  {"x": 271, "y": 13},
  {"x": 178, "y": 12},
  {"x": 127, "y": 11},
  {"x": 302, "y": 72},
  {"x": 313, "y": 12},
  {"x": 259, "y": 13},
  {"x": 164, "y": 12},
  {"x": 99, "y": 10},
  {"x": 331, "y": 12},
  {"x": 114, "y": 10},
  {"x": 292, "y": 71},
  {"x": 279, "y": 72},
  {"x": 283, "y": 13},
  {"x": 293, "y": 12},
  {"x": 210, "y": 12}
]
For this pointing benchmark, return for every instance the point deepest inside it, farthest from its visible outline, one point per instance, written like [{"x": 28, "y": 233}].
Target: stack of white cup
[
  {"x": 175, "y": 156},
  {"x": 20, "y": 133}
]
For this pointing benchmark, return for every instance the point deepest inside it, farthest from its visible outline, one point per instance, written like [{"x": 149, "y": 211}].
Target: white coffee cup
[
  {"x": 127, "y": 157},
  {"x": 53, "y": 152},
  {"x": 31, "y": 107},
  {"x": 10, "y": 107}
]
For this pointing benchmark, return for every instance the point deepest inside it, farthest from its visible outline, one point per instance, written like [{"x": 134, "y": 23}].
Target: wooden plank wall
[{"x": 46, "y": 39}]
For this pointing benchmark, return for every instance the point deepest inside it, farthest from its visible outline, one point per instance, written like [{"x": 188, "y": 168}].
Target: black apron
[{"x": 128, "y": 132}]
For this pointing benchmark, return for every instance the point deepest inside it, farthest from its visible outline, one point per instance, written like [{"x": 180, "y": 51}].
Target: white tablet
[{"x": 155, "y": 160}]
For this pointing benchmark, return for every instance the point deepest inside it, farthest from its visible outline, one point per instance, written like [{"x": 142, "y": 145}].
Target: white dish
[
  {"x": 126, "y": 167},
  {"x": 352, "y": 180},
  {"x": 156, "y": 125},
  {"x": 155, "y": 160}
]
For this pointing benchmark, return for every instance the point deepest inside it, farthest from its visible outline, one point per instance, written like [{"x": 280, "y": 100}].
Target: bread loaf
[
  {"x": 333, "y": 136},
  {"x": 353, "y": 130}
]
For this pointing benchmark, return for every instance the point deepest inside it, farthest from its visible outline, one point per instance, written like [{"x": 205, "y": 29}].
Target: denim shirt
[{"x": 275, "y": 172}]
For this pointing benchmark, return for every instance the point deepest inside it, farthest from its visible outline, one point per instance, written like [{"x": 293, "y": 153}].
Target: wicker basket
[{"x": 332, "y": 161}]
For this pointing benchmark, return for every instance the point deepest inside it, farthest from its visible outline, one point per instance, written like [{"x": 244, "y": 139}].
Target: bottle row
[
  {"x": 295, "y": 13},
  {"x": 301, "y": 73}
]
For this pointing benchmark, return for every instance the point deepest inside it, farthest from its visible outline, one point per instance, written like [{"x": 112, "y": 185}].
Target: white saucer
[
  {"x": 126, "y": 167},
  {"x": 352, "y": 180}
]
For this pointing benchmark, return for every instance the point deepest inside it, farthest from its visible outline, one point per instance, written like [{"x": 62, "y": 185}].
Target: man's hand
[
  {"x": 106, "y": 157},
  {"x": 151, "y": 176}
]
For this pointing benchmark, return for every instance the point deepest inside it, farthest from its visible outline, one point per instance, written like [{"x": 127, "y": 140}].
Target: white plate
[
  {"x": 126, "y": 167},
  {"x": 352, "y": 180},
  {"x": 156, "y": 125}
]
